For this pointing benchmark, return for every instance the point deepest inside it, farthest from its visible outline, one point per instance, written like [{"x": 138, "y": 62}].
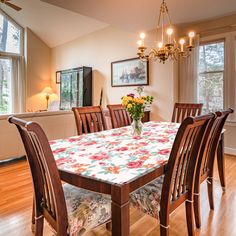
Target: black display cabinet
[{"x": 75, "y": 87}]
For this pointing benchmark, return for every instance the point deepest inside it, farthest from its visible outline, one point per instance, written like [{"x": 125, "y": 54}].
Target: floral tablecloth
[{"x": 115, "y": 156}]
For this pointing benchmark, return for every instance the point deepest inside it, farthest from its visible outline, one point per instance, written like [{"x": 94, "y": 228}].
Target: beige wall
[
  {"x": 38, "y": 71},
  {"x": 230, "y": 138},
  {"x": 10, "y": 142},
  {"x": 98, "y": 50},
  {"x": 217, "y": 29},
  {"x": 214, "y": 26},
  {"x": 101, "y": 48}
]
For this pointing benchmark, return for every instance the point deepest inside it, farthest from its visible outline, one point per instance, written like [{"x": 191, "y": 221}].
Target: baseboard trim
[
  {"x": 230, "y": 151},
  {"x": 12, "y": 160}
]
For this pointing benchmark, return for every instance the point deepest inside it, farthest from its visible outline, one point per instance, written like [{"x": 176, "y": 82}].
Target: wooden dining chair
[
  {"x": 205, "y": 166},
  {"x": 162, "y": 196},
  {"x": 119, "y": 116},
  {"x": 89, "y": 119},
  {"x": 183, "y": 110},
  {"x": 68, "y": 209}
]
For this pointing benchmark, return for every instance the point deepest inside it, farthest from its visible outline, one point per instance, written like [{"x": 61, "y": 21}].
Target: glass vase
[{"x": 137, "y": 127}]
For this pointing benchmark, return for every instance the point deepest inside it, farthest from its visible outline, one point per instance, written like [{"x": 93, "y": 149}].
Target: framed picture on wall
[
  {"x": 58, "y": 77},
  {"x": 130, "y": 72}
]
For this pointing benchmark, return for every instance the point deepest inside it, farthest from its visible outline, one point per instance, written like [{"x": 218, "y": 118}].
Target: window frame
[
  {"x": 22, "y": 37},
  {"x": 10, "y": 84},
  {"x": 208, "y": 42},
  {"x": 229, "y": 68},
  {"x": 10, "y": 55}
]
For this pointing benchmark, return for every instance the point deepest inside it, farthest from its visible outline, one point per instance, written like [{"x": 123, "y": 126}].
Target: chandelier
[{"x": 166, "y": 47}]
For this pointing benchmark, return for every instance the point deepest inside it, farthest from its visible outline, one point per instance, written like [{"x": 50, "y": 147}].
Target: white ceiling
[
  {"x": 64, "y": 20},
  {"x": 54, "y": 25},
  {"x": 136, "y": 15}
]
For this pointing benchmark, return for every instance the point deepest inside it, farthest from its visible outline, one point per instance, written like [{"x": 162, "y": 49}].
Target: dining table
[{"x": 117, "y": 163}]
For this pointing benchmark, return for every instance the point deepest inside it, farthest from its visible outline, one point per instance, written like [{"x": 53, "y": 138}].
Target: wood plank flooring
[{"x": 16, "y": 202}]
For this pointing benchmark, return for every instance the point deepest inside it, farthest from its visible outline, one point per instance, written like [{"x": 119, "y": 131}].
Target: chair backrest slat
[
  {"x": 94, "y": 122},
  {"x": 183, "y": 110},
  {"x": 48, "y": 190},
  {"x": 119, "y": 116},
  {"x": 82, "y": 122},
  {"x": 89, "y": 119},
  {"x": 179, "y": 179},
  {"x": 49, "y": 195},
  {"x": 91, "y": 123},
  {"x": 126, "y": 117},
  {"x": 210, "y": 143}
]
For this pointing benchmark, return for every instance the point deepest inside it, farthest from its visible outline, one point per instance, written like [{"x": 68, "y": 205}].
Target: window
[
  {"x": 5, "y": 85},
  {"x": 10, "y": 36},
  {"x": 11, "y": 48},
  {"x": 211, "y": 76}
]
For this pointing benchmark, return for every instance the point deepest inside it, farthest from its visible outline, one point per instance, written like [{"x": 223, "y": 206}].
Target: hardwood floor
[{"x": 16, "y": 202}]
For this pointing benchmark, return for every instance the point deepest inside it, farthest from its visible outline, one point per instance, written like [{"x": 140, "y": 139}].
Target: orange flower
[
  {"x": 80, "y": 167},
  {"x": 148, "y": 166},
  {"x": 113, "y": 169},
  {"x": 143, "y": 158}
]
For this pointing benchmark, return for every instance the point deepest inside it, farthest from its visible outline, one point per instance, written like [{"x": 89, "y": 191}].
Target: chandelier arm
[{"x": 169, "y": 50}]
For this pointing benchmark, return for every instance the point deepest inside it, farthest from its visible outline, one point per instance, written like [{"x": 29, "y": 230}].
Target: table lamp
[{"x": 47, "y": 91}]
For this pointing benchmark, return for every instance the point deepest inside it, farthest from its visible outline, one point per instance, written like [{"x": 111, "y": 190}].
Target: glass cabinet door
[
  {"x": 80, "y": 88},
  {"x": 65, "y": 91},
  {"x": 74, "y": 89}
]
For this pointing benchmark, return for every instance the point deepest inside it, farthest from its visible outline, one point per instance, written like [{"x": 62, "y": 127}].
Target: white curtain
[
  {"x": 188, "y": 73},
  {"x": 230, "y": 74},
  {"x": 18, "y": 84}
]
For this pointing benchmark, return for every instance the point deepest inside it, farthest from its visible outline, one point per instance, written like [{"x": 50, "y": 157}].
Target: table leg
[
  {"x": 120, "y": 210},
  {"x": 221, "y": 162}
]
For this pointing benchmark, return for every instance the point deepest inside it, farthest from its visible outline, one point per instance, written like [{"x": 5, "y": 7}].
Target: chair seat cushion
[
  {"x": 86, "y": 209},
  {"x": 147, "y": 198}
]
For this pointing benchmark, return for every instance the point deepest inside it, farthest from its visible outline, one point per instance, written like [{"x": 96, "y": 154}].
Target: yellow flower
[
  {"x": 129, "y": 106},
  {"x": 141, "y": 101},
  {"x": 124, "y": 103},
  {"x": 138, "y": 101}
]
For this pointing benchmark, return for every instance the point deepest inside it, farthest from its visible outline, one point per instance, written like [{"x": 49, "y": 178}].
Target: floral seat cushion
[
  {"x": 86, "y": 209},
  {"x": 147, "y": 198}
]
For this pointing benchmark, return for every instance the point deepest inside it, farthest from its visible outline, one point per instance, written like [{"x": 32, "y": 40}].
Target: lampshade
[{"x": 47, "y": 90}]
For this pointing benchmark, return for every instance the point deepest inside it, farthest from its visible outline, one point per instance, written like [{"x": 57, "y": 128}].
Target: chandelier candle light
[{"x": 166, "y": 47}]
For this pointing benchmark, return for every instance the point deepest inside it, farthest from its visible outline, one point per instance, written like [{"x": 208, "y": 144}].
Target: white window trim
[
  {"x": 10, "y": 84},
  {"x": 21, "y": 38},
  {"x": 11, "y": 56},
  {"x": 229, "y": 70},
  {"x": 212, "y": 41}
]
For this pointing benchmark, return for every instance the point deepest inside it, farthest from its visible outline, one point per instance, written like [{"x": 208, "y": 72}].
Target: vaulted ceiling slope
[
  {"x": 136, "y": 15},
  {"x": 54, "y": 25},
  {"x": 62, "y": 21}
]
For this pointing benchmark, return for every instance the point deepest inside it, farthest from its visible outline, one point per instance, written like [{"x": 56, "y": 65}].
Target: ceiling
[
  {"x": 62, "y": 21},
  {"x": 138, "y": 15},
  {"x": 54, "y": 25}
]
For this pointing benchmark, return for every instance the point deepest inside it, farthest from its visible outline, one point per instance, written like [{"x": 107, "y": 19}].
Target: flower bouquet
[{"x": 135, "y": 106}]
